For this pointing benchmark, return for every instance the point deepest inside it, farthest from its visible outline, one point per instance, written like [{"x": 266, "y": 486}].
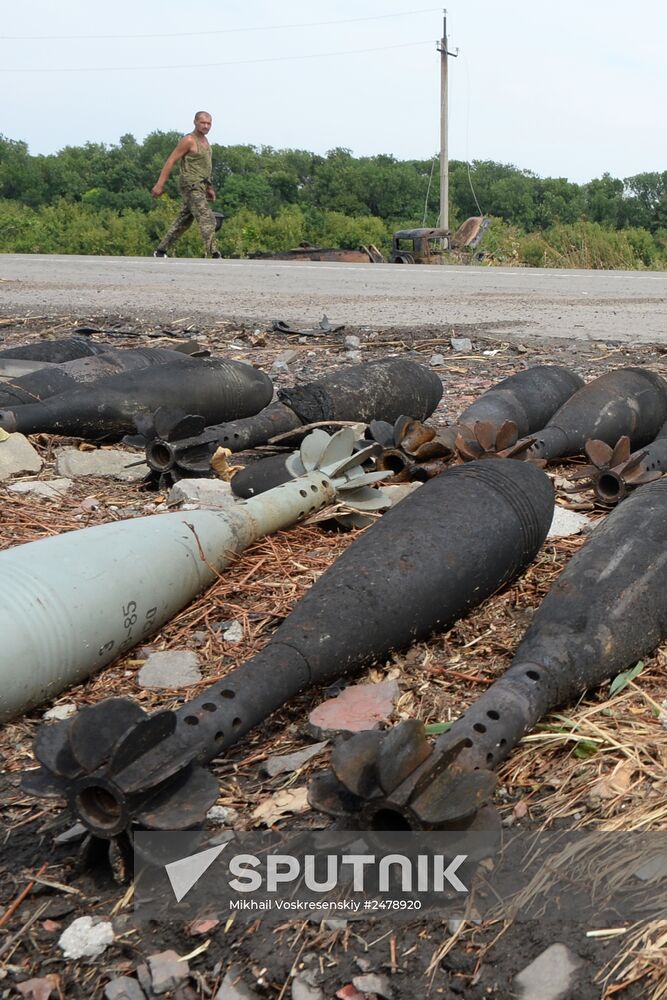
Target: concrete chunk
[
  {"x": 104, "y": 462},
  {"x": 17, "y": 456},
  {"x": 49, "y": 489},
  {"x": 172, "y": 668},
  {"x": 550, "y": 976},
  {"x": 167, "y": 970},
  {"x": 123, "y": 988},
  {"x": 207, "y": 492}
]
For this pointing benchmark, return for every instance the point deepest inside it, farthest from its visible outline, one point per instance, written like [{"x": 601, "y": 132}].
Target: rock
[
  {"x": 233, "y": 987},
  {"x": 335, "y": 923},
  {"x": 234, "y": 633},
  {"x": 653, "y": 869},
  {"x": 172, "y": 668},
  {"x": 350, "y": 992},
  {"x": 365, "y": 964},
  {"x": 222, "y": 815},
  {"x": 287, "y": 357},
  {"x": 291, "y": 761},
  {"x": 437, "y": 359},
  {"x": 40, "y": 989},
  {"x": 86, "y": 939},
  {"x": 144, "y": 977},
  {"x": 354, "y": 357},
  {"x": 373, "y": 983},
  {"x": 50, "y": 489},
  {"x": 167, "y": 970},
  {"x": 185, "y": 992},
  {"x": 462, "y": 345},
  {"x": 305, "y": 988},
  {"x": 17, "y": 456},
  {"x": 550, "y": 976},
  {"x": 123, "y": 988},
  {"x": 358, "y": 707},
  {"x": 280, "y": 366},
  {"x": 60, "y": 712},
  {"x": 352, "y": 343},
  {"x": 394, "y": 494},
  {"x": 103, "y": 462},
  {"x": 567, "y": 522},
  {"x": 209, "y": 492}
]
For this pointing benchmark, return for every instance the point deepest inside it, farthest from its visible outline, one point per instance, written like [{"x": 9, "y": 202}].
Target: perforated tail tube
[
  {"x": 215, "y": 388},
  {"x": 606, "y": 610},
  {"x": 430, "y": 559},
  {"x": 237, "y": 435}
]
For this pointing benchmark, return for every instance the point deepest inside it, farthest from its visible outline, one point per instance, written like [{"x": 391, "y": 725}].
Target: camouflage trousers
[{"x": 194, "y": 205}]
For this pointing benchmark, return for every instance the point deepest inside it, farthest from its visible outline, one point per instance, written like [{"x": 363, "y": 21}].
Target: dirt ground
[{"x": 553, "y": 777}]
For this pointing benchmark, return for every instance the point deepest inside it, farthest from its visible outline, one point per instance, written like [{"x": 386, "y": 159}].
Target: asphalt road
[{"x": 516, "y": 303}]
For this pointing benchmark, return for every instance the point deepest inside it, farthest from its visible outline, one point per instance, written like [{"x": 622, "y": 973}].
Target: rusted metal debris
[
  {"x": 494, "y": 425},
  {"x": 434, "y": 246},
  {"x": 118, "y": 767},
  {"x": 606, "y": 610},
  {"x": 363, "y": 255},
  {"x": 613, "y": 472},
  {"x": 378, "y": 389},
  {"x": 627, "y": 401}
]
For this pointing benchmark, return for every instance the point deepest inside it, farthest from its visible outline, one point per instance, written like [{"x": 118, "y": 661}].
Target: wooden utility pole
[{"x": 444, "y": 150}]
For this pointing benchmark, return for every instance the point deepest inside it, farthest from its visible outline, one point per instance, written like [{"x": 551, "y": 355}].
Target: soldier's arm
[{"x": 184, "y": 147}]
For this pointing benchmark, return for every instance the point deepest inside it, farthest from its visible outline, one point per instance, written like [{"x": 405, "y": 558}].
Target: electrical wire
[
  {"x": 428, "y": 189},
  {"x": 217, "y": 31},
  {"x": 465, "y": 63},
  {"x": 201, "y": 65}
]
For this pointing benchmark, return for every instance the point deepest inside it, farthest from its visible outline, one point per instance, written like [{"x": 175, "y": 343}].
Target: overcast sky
[{"x": 568, "y": 89}]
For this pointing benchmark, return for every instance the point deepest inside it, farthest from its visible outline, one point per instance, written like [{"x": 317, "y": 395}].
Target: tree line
[{"x": 96, "y": 199}]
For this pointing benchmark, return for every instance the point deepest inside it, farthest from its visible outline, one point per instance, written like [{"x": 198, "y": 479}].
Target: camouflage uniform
[{"x": 196, "y": 171}]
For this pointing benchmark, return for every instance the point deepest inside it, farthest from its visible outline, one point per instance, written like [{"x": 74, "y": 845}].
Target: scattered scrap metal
[
  {"x": 97, "y": 592},
  {"x": 606, "y": 610},
  {"x": 376, "y": 390},
  {"x": 117, "y": 767}
]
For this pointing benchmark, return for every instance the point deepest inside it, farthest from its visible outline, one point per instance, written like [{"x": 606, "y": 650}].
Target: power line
[
  {"x": 216, "y": 31},
  {"x": 240, "y": 62}
]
